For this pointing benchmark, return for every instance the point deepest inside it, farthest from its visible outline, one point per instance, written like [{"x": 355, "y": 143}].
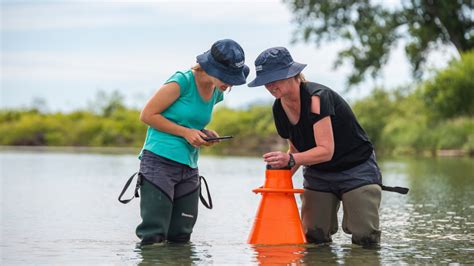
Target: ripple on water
[{"x": 431, "y": 225}]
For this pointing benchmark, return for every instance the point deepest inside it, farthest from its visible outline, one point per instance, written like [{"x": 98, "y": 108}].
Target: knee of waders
[
  {"x": 317, "y": 236},
  {"x": 155, "y": 210},
  {"x": 371, "y": 239},
  {"x": 185, "y": 211}
]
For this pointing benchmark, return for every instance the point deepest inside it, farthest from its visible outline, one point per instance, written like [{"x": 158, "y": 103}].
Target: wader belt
[
  {"x": 137, "y": 187},
  {"x": 207, "y": 204},
  {"x": 401, "y": 190}
]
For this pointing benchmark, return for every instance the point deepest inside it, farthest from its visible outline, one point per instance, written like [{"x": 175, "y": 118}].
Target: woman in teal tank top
[{"x": 177, "y": 115}]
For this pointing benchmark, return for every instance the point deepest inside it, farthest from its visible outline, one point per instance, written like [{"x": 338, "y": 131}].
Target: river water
[{"x": 61, "y": 208}]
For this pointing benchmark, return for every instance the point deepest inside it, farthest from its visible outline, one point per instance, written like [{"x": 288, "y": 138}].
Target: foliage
[
  {"x": 451, "y": 92},
  {"x": 373, "y": 29},
  {"x": 80, "y": 128},
  {"x": 106, "y": 104},
  {"x": 408, "y": 127},
  {"x": 456, "y": 133},
  {"x": 253, "y": 130},
  {"x": 374, "y": 112},
  {"x": 397, "y": 121}
]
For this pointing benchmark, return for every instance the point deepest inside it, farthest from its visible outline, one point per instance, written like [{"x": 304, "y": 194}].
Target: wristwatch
[{"x": 291, "y": 162}]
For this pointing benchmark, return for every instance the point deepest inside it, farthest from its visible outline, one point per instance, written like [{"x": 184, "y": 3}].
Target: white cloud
[
  {"x": 19, "y": 17},
  {"x": 167, "y": 37},
  {"x": 43, "y": 66},
  {"x": 78, "y": 14}
]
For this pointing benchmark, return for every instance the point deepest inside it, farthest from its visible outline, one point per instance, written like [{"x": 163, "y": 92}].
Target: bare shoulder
[{"x": 315, "y": 105}]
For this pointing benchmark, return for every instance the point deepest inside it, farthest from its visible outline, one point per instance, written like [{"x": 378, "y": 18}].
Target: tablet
[{"x": 218, "y": 138}]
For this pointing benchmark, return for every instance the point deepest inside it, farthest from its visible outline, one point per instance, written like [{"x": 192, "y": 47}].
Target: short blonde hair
[
  {"x": 197, "y": 67},
  {"x": 301, "y": 77}
]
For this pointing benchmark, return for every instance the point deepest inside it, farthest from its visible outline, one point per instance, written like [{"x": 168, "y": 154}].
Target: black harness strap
[
  {"x": 137, "y": 187},
  {"x": 208, "y": 204},
  {"x": 401, "y": 190}
]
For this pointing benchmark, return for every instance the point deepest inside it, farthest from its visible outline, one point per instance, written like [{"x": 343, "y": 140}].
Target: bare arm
[
  {"x": 325, "y": 149},
  {"x": 323, "y": 137},
  {"x": 162, "y": 99},
  {"x": 323, "y": 152}
]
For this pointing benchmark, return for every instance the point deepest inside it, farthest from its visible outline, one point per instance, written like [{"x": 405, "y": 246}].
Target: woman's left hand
[
  {"x": 211, "y": 134},
  {"x": 277, "y": 159}
]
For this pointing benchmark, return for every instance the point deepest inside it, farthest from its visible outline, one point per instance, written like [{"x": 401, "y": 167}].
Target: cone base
[{"x": 276, "y": 232}]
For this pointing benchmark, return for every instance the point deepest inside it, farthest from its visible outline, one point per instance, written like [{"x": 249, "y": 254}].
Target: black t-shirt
[{"x": 351, "y": 144}]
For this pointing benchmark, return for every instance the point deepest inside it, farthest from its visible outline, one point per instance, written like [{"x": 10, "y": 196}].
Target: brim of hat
[
  {"x": 285, "y": 73},
  {"x": 228, "y": 77}
]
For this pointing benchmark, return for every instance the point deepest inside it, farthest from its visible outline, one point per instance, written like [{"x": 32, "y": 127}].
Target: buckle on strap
[
  {"x": 207, "y": 204},
  {"x": 127, "y": 184}
]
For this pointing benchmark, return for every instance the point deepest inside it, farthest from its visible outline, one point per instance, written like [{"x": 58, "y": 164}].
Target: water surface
[{"x": 62, "y": 208}]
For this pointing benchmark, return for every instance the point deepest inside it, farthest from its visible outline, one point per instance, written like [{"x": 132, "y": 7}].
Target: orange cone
[{"x": 277, "y": 220}]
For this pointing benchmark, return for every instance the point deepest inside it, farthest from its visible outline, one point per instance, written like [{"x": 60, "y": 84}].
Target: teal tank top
[{"x": 190, "y": 111}]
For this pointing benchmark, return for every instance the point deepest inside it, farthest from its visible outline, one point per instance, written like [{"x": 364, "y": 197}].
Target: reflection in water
[
  {"x": 433, "y": 224},
  {"x": 336, "y": 254},
  {"x": 356, "y": 255},
  {"x": 329, "y": 254},
  {"x": 168, "y": 254},
  {"x": 279, "y": 254}
]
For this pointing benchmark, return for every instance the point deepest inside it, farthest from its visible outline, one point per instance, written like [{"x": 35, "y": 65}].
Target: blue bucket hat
[
  {"x": 275, "y": 64},
  {"x": 225, "y": 61}
]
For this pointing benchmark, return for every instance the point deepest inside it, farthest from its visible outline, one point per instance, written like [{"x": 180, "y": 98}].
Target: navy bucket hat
[
  {"x": 275, "y": 64},
  {"x": 225, "y": 61}
]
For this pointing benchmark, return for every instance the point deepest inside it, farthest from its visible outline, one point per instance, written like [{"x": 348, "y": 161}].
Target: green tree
[
  {"x": 450, "y": 93},
  {"x": 373, "y": 29},
  {"x": 106, "y": 104},
  {"x": 253, "y": 130},
  {"x": 373, "y": 113}
]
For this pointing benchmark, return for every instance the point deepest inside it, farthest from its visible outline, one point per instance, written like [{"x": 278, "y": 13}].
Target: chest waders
[
  {"x": 360, "y": 191},
  {"x": 164, "y": 218}
]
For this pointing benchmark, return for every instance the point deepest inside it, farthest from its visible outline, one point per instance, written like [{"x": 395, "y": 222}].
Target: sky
[{"x": 64, "y": 52}]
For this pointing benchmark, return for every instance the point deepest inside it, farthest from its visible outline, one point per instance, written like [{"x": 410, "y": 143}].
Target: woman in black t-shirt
[{"x": 325, "y": 137}]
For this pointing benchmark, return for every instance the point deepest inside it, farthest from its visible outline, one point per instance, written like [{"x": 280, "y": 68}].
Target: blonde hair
[
  {"x": 197, "y": 67},
  {"x": 301, "y": 77}
]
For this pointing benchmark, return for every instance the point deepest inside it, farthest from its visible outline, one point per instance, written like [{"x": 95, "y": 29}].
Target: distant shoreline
[{"x": 136, "y": 150}]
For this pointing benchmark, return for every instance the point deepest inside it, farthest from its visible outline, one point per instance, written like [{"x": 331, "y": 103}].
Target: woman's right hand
[{"x": 195, "y": 137}]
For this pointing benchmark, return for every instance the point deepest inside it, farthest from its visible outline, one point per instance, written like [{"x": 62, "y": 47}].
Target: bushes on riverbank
[
  {"x": 436, "y": 115},
  {"x": 82, "y": 128},
  {"x": 401, "y": 124},
  {"x": 394, "y": 124}
]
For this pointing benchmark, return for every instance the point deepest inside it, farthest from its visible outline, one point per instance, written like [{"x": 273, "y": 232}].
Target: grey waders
[{"x": 361, "y": 215}]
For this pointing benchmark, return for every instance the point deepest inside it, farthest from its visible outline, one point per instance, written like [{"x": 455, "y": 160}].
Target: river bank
[{"x": 136, "y": 150}]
